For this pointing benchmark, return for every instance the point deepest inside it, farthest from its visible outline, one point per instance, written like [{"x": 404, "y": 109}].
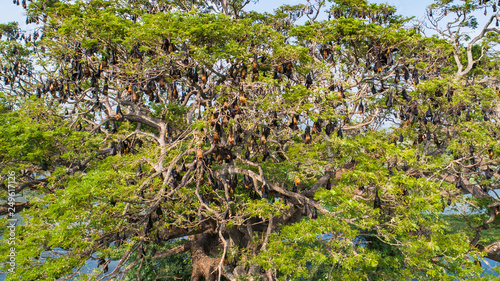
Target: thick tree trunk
[
  {"x": 204, "y": 266},
  {"x": 493, "y": 251}
]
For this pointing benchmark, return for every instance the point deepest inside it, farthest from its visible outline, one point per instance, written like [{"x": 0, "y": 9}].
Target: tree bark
[{"x": 204, "y": 266}]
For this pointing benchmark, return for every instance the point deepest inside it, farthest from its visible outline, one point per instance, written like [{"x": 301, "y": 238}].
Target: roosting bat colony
[{"x": 233, "y": 130}]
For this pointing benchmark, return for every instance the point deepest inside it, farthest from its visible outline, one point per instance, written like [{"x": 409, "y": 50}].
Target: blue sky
[
  {"x": 11, "y": 12},
  {"x": 403, "y": 7}
]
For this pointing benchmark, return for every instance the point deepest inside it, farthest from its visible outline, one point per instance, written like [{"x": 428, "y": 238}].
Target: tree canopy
[{"x": 197, "y": 139}]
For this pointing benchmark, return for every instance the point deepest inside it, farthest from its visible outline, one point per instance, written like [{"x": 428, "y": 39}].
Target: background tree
[{"x": 263, "y": 147}]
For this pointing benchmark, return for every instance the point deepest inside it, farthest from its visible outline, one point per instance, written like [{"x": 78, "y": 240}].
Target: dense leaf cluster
[{"x": 279, "y": 150}]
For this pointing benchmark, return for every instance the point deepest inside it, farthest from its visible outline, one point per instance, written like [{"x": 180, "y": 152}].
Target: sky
[
  {"x": 10, "y": 12},
  {"x": 403, "y": 7}
]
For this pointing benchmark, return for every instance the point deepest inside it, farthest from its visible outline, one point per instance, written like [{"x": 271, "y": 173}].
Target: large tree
[{"x": 264, "y": 146}]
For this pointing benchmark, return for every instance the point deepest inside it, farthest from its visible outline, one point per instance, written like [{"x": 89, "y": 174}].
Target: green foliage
[{"x": 247, "y": 142}]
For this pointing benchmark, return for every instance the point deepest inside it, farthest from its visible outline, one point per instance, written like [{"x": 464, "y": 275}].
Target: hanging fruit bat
[
  {"x": 339, "y": 133},
  {"x": 204, "y": 76},
  {"x": 53, "y": 86},
  {"x": 119, "y": 115},
  {"x": 213, "y": 119},
  {"x": 86, "y": 71},
  {"x": 216, "y": 137},
  {"x": 263, "y": 139},
  {"x": 105, "y": 88},
  {"x": 237, "y": 138},
  {"x": 428, "y": 114},
  {"x": 230, "y": 138},
  {"x": 341, "y": 93},
  {"x": 277, "y": 76},
  {"x": 175, "y": 73},
  {"x": 113, "y": 59},
  {"x": 199, "y": 154},
  {"x": 396, "y": 76},
  {"x": 437, "y": 142},
  {"x": 171, "y": 48},
  {"x": 429, "y": 136},
  {"x": 247, "y": 182},
  {"x": 296, "y": 183},
  {"x": 406, "y": 75},
  {"x": 388, "y": 103},
  {"x": 306, "y": 137},
  {"x": 255, "y": 70},
  {"x": 329, "y": 128},
  {"x": 378, "y": 66},
  {"x": 175, "y": 94},
  {"x": 232, "y": 71},
  {"x": 103, "y": 65},
  {"x": 361, "y": 107},
  {"x": 135, "y": 96},
  {"x": 405, "y": 95},
  {"x": 459, "y": 183},
  {"x": 243, "y": 71},
  {"x": 264, "y": 192},
  {"x": 438, "y": 93},
  {"x": 328, "y": 184},
  {"x": 138, "y": 173},
  {"x": 309, "y": 81},
  {"x": 420, "y": 138},
  {"x": 471, "y": 149},
  {"x": 114, "y": 128},
  {"x": 101, "y": 262},
  {"x": 325, "y": 52},
  {"x": 279, "y": 68},
  {"x": 120, "y": 148},
  {"x": 247, "y": 154},
  {"x": 265, "y": 153},
  {"x": 373, "y": 90},
  {"x": 243, "y": 99},
  {"x": 265, "y": 133},
  {"x": 467, "y": 116},
  {"x": 294, "y": 123},
  {"x": 112, "y": 152},
  {"x": 168, "y": 134},
  {"x": 288, "y": 69},
  {"x": 415, "y": 76},
  {"x": 162, "y": 82},
  {"x": 377, "y": 204},
  {"x": 254, "y": 145},
  {"x": 317, "y": 126},
  {"x": 389, "y": 58},
  {"x": 255, "y": 65},
  {"x": 233, "y": 182},
  {"x": 305, "y": 210},
  {"x": 255, "y": 76},
  {"x": 332, "y": 87},
  {"x": 314, "y": 213},
  {"x": 165, "y": 45}
]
